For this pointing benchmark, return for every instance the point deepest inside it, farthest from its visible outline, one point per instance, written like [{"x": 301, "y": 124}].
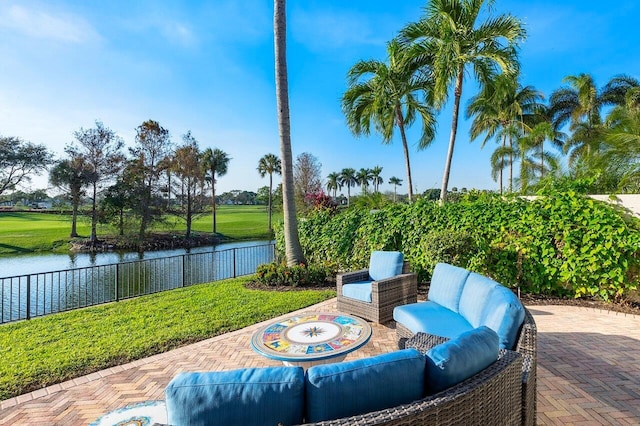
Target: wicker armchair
[
  {"x": 526, "y": 345},
  {"x": 386, "y": 294}
]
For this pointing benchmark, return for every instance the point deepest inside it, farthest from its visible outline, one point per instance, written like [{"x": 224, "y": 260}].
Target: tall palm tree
[
  {"x": 534, "y": 161},
  {"x": 333, "y": 183},
  {"x": 363, "y": 176},
  {"x": 293, "y": 248},
  {"x": 72, "y": 174},
  {"x": 389, "y": 95},
  {"x": 579, "y": 105},
  {"x": 501, "y": 106},
  {"x": 449, "y": 38},
  {"x": 376, "y": 179},
  {"x": 215, "y": 163},
  {"x": 623, "y": 139},
  {"x": 395, "y": 182},
  {"x": 270, "y": 164},
  {"x": 348, "y": 179}
]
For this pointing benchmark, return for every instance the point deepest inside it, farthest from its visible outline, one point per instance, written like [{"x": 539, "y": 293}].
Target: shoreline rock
[{"x": 153, "y": 242}]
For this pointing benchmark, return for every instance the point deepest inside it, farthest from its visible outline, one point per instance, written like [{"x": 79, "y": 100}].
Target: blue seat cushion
[
  {"x": 252, "y": 396},
  {"x": 504, "y": 314},
  {"x": 460, "y": 358},
  {"x": 430, "y": 317},
  {"x": 447, "y": 282},
  {"x": 385, "y": 264},
  {"x": 475, "y": 296},
  {"x": 356, "y": 387},
  {"x": 360, "y": 290}
]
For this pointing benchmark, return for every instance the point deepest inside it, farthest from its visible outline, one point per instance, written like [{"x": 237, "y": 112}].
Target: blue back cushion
[
  {"x": 252, "y": 396},
  {"x": 474, "y": 298},
  {"x": 446, "y": 286},
  {"x": 460, "y": 358},
  {"x": 504, "y": 314},
  {"x": 385, "y": 264},
  {"x": 359, "y": 290},
  {"x": 355, "y": 387}
]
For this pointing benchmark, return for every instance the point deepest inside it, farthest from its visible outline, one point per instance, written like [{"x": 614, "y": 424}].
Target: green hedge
[{"x": 562, "y": 244}]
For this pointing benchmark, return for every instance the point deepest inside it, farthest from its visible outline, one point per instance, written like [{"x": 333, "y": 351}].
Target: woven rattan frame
[
  {"x": 526, "y": 345},
  {"x": 385, "y": 294},
  {"x": 491, "y": 397}
]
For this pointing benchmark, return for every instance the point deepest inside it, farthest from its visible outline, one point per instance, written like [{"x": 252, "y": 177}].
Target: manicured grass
[
  {"x": 237, "y": 222},
  {"x": 22, "y": 232},
  {"x": 55, "y": 348}
]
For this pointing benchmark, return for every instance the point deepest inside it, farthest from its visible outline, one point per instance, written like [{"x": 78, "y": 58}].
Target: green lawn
[
  {"x": 55, "y": 348},
  {"x": 22, "y": 232}
]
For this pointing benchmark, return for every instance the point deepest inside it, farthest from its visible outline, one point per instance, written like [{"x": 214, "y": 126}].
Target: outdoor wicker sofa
[
  {"x": 525, "y": 344},
  {"x": 489, "y": 397},
  {"x": 381, "y": 295}
]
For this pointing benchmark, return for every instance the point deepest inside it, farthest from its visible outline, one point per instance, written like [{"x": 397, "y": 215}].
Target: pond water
[
  {"x": 48, "y": 262},
  {"x": 42, "y": 284}
]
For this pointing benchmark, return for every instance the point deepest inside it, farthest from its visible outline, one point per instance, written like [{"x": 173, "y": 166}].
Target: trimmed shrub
[
  {"x": 561, "y": 244},
  {"x": 275, "y": 274}
]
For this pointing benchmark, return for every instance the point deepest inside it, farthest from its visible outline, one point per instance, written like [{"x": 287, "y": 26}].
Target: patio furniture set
[{"x": 467, "y": 355}]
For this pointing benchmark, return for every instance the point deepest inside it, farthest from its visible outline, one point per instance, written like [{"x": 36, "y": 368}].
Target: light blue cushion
[
  {"x": 252, "y": 396},
  {"x": 447, "y": 282},
  {"x": 460, "y": 358},
  {"x": 475, "y": 296},
  {"x": 503, "y": 314},
  {"x": 360, "y": 290},
  {"x": 430, "y": 317},
  {"x": 385, "y": 264},
  {"x": 355, "y": 387}
]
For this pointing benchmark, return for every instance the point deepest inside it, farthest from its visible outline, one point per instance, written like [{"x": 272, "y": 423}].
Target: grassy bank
[
  {"x": 55, "y": 348},
  {"x": 24, "y": 232}
]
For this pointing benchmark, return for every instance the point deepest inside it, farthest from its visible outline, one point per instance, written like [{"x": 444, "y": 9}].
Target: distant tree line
[{"x": 154, "y": 178}]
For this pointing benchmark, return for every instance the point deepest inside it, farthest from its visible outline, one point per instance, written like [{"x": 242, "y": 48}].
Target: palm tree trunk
[
  {"x": 270, "y": 192},
  {"x": 504, "y": 144},
  {"x": 293, "y": 248},
  {"x": 74, "y": 217},
  {"x": 452, "y": 138},
  {"x": 213, "y": 201},
  {"x": 405, "y": 147},
  {"x": 542, "y": 159},
  {"x": 189, "y": 213},
  {"x": 394, "y": 192},
  {"x": 94, "y": 217},
  {"x": 510, "y": 164},
  {"x": 121, "y": 225}
]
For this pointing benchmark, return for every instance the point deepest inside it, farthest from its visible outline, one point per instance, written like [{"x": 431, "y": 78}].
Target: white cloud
[
  {"x": 178, "y": 33},
  {"x": 42, "y": 24}
]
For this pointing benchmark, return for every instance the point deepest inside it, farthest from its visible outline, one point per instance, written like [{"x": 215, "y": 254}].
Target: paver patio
[{"x": 588, "y": 371}]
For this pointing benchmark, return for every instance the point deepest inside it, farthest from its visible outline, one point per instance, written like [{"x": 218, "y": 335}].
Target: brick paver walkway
[{"x": 589, "y": 372}]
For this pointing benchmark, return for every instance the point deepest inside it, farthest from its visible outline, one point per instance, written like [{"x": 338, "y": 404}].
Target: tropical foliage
[
  {"x": 389, "y": 95},
  {"x": 268, "y": 165},
  {"x": 452, "y": 41},
  {"x": 562, "y": 244}
]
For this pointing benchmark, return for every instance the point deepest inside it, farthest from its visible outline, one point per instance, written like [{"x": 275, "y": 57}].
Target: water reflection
[
  {"x": 43, "y": 284},
  {"x": 37, "y": 263}
]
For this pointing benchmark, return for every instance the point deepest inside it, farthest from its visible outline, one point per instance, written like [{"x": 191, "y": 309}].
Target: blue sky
[{"x": 207, "y": 66}]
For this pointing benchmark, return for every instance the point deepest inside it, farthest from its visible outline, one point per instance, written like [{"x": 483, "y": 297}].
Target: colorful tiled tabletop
[{"x": 311, "y": 338}]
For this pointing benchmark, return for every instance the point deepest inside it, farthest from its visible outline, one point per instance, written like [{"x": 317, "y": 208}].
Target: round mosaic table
[{"x": 311, "y": 338}]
